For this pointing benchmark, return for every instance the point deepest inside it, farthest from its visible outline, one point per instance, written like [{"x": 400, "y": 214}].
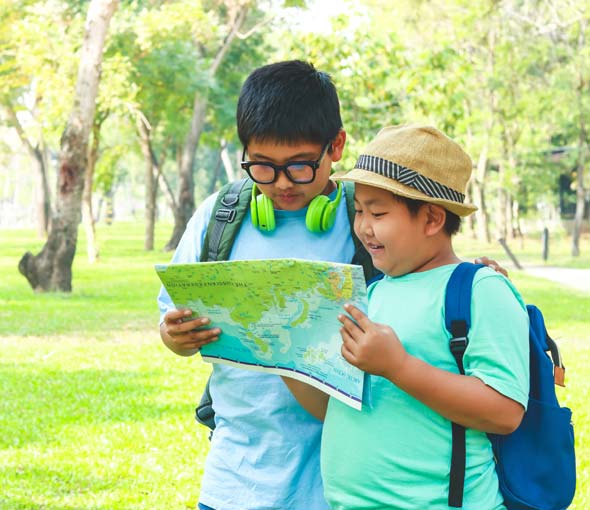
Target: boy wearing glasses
[{"x": 265, "y": 449}]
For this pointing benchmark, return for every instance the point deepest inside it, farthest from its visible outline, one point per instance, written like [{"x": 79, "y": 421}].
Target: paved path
[{"x": 577, "y": 278}]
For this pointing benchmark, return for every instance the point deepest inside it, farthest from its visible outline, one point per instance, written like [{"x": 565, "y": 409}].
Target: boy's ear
[
  {"x": 435, "y": 217},
  {"x": 338, "y": 145}
]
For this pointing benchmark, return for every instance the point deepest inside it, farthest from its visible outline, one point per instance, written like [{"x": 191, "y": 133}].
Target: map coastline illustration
[{"x": 277, "y": 316}]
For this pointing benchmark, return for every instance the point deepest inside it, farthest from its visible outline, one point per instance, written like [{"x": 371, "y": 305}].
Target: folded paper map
[{"x": 278, "y": 316}]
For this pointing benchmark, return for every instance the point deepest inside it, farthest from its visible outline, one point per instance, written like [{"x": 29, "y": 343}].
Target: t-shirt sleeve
[
  {"x": 189, "y": 247},
  {"x": 498, "y": 349}
]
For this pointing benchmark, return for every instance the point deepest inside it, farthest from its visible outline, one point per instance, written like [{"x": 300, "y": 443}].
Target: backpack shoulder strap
[
  {"x": 229, "y": 210},
  {"x": 204, "y": 412},
  {"x": 458, "y": 322},
  {"x": 458, "y": 308},
  {"x": 361, "y": 256}
]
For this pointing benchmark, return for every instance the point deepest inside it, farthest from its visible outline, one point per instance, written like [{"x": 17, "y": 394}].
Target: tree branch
[
  {"x": 237, "y": 22},
  {"x": 13, "y": 118},
  {"x": 255, "y": 28}
]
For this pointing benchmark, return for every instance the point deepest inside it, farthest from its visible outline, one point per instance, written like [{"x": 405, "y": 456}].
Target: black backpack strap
[
  {"x": 228, "y": 213},
  {"x": 229, "y": 210},
  {"x": 458, "y": 322},
  {"x": 204, "y": 412},
  {"x": 361, "y": 256}
]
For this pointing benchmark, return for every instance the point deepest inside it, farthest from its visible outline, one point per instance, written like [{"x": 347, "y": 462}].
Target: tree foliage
[{"x": 509, "y": 79}]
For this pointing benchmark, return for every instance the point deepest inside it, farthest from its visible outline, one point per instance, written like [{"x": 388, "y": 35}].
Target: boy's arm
[
  {"x": 466, "y": 400},
  {"x": 176, "y": 334},
  {"x": 314, "y": 401},
  {"x": 463, "y": 399}
]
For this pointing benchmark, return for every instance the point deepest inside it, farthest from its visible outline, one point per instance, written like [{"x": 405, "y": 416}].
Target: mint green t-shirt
[{"x": 396, "y": 454}]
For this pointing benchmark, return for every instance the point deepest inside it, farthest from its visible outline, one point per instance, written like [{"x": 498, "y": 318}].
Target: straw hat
[{"x": 416, "y": 162}]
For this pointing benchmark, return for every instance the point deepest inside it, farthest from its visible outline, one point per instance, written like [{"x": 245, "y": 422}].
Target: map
[{"x": 278, "y": 316}]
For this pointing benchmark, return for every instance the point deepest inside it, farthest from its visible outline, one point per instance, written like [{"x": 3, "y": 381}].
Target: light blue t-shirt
[
  {"x": 397, "y": 453},
  {"x": 265, "y": 449}
]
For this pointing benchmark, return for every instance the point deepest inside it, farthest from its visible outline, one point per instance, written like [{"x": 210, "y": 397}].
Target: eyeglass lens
[
  {"x": 296, "y": 172},
  {"x": 301, "y": 172}
]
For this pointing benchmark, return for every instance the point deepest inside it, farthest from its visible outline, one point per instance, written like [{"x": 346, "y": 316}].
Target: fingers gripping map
[{"x": 277, "y": 316}]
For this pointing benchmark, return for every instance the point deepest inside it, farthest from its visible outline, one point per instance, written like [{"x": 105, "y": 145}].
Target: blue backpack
[{"x": 536, "y": 463}]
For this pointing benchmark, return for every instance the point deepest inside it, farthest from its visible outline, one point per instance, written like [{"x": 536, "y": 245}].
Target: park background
[{"x": 95, "y": 412}]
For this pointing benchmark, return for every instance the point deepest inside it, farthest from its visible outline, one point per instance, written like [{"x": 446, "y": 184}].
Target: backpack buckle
[
  {"x": 230, "y": 199},
  {"x": 459, "y": 344},
  {"x": 227, "y": 215}
]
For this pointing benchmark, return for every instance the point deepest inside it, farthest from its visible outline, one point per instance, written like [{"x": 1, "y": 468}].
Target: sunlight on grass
[{"x": 97, "y": 415}]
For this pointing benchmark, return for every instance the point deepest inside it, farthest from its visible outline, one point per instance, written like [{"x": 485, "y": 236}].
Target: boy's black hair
[
  {"x": 288, "y": 102},
  {"x": 452, "y": 220}
]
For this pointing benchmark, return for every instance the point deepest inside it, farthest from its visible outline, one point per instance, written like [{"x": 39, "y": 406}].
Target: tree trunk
[
  {"x": 214, "y": 177},
  {"x": 479, "y": 186},
  {"x": 87, "y": 212},
  {"x": 471, "y": 218},
  {"x": 501, "y": 205},
  {"x": 37, "y": 154},
  {"x": 151, "y": 182},
  {"x": 582, "y": 89},
  {"x": 509, "y": 216},
  {"x": 516, "y": 220},
  {"x": 185, "y": 205},
  {"x": 186, "y": 192},
  {"x": 151, "y": 191},
  {"x": 509, "y": 138},
  {"x": 227, "y": 163},
  {"x": 51, "y": 269},
  {"x": 42, "y": 197},
  {"x": 580, "y": 200},
  {"x": 109, "y": 205},
  {"x": 166, "y": 189}
]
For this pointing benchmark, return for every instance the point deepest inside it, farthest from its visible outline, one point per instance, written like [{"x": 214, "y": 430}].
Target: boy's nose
[
  {"x": 283, "y": 181},
  {"x": 364, "y": 226}
]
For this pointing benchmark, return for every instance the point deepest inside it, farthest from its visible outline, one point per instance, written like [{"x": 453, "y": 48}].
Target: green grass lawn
[{"x": 97, "y": 414}]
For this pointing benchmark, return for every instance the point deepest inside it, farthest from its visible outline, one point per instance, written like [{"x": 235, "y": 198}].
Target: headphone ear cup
[
  {"x": 315, "y": 213},
  {"x": 329, "y": 217},
  {"x": 254, "y": 211},
  {"x": 265, "y": 213}
]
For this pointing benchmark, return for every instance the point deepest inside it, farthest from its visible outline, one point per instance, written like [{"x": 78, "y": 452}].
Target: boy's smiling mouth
[{"x": 374, "y": 246}]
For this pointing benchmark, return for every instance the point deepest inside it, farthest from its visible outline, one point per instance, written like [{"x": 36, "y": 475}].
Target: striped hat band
[{"x": 408, "y": 177}]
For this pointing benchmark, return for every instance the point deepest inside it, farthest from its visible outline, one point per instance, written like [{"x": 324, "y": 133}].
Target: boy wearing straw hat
[{"x": 409, "y": 193}]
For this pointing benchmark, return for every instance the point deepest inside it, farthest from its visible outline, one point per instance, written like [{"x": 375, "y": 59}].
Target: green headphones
[{"x": 320, "y": 217}]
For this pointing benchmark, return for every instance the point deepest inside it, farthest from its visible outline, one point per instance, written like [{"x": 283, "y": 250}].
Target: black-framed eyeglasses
[{"x": 299, "y": 172}]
